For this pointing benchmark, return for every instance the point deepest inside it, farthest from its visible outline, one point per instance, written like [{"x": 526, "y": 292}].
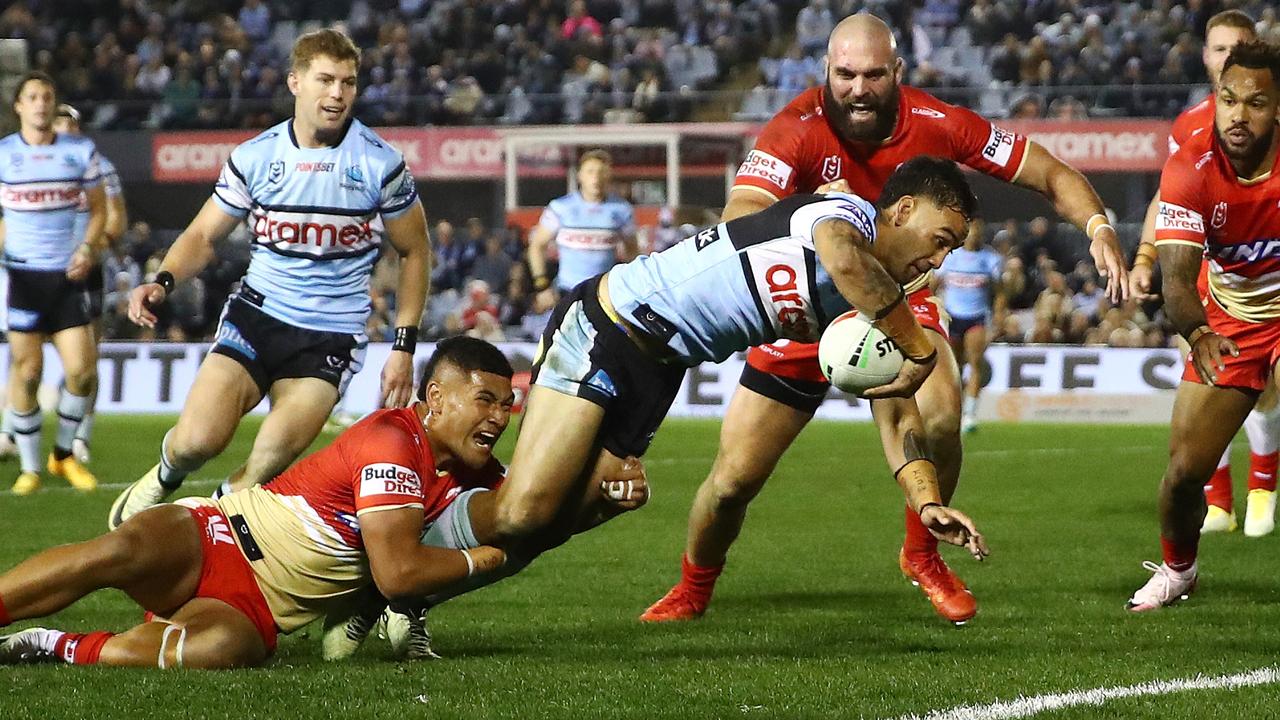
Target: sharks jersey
[
  {"x": 743, "y": 283},
  {"x": 966, "y": 278},
  {"x": 316, "y": 215},
  {"x": 587, "y": 235},
  {"x": 41, "y": 188},
  {"x": 110, "y": 185}
]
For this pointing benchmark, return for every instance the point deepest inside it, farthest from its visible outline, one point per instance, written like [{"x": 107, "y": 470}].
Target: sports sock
[
  {"x": 970, "y": 405},
  {"x": 1262, "y": 429},
  {"x": 1218, "y": 490},
  {"x": 4, "y": 615},
  {"x": 80, "y": 648},
  {"x": 170, "y": 476},
  {"x": 85, "y": 431},
  {"x": 1262, "y": 471},
  {"x": 6, "y": 425},
  {"x": 1179, "y": 556},
  {"x": 26, "y": 435},
  {"x": 71, "y": 410},
  {"x": 699, "y": 578},
  {"x": 919, "y": 541}
]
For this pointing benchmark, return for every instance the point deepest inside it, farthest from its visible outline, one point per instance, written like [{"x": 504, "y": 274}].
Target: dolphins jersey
[
  {"x": 316, "y": 215},
  {"x": 739, "y": 284},
  {"x": 41, "y": 188}
]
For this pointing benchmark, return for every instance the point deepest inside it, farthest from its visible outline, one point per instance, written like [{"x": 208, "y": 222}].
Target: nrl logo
[
  {"x": 1219, "y": 218},
  {"x": 275, "y": 171},
  {"x": 831, "y": 168}
]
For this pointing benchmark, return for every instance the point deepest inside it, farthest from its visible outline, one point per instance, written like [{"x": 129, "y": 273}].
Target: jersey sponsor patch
[
  {"x": 42, "y": 196},
  {"x": 313, "y": 233},
  {"x": 1177, "y": 218},
  {"x": 781, "y": 275},
  {"x": 388, "y": 479},
  {"x": 999, "y": 147},
  {"x": 760, "y": 164}
]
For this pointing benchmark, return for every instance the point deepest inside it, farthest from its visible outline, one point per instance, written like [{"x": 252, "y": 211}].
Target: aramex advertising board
[{"x": 1049, "y": 383}]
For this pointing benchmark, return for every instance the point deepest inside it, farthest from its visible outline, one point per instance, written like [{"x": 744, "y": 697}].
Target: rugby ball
[{"x": 855, "y": 356}]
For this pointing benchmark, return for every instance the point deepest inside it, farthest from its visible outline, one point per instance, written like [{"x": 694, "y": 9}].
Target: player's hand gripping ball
[{"x": 856, "y": 356}]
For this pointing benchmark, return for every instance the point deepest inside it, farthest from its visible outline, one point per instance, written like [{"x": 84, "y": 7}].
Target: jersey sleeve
[
  {"x": 772, "y": 165},
  {"x": 549, "y": 218},
  {"x": 983, "y": 146},
  {"x": 398, "y": 193},
  {"x": 231, "y": 192},
  {"x": 838, "y": 206},
  {"x": 1180, "y": 220},
  {"x": 110, "y": 178},
  {"x": 92, "y": 175},
  {"x": 385, "y": 470}
]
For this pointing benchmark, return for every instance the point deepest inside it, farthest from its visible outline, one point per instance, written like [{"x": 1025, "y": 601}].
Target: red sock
[
  {"x": 1262, "y": 471},
  {"x": 919, "y": 540},
  {"x": 81, "y": 648},
  {"x": 1179, "y": 556},
  {"x": 1218, "y": 490},
  {"x": 700, "y": 578},
  {"x": 4, "y": 614}
]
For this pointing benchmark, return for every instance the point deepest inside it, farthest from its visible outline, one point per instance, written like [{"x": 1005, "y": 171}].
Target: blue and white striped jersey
[
  {"x": 587, "y": 235},
  {"x": 316, "y": 216},
  {"x": 110, "y": 185},
  {"x": 747, "y": 282},
  {"x": 966, "y": 278},
  {"x": 41, "y": 188}
]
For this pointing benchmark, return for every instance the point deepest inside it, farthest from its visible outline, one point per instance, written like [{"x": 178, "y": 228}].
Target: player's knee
[
  {"x": 190, "y": 446},
  {"x": 26, "y": 370},
  {"x": 80, "y": 380},
  {"x": 220, "y": 648},
  {"x": 736, "y": 481},
  {"x": 1188, "y": 470},
  {"x": 525, "y": 515}
]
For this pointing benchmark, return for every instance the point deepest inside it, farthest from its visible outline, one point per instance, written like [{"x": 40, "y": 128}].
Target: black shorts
[
  {"x": 272, "y": 349},
  {"x": 802, "y": 395},
  {"x": 94, "y": 285},
  {"x": 585, "y": 354},
  {"x": 45, "y": 301},
  {"x": 960, "y": 325}
]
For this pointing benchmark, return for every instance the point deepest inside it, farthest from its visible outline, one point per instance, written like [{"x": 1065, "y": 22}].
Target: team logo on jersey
[
  {"x": 275, "y": 171},
  {"x": 831, "y": 168},
  {"x": 15, "y": 159},
  {"x": 1219, "y": 218},
  {"x": 352, "y": 179},
  {"x": 927, "y": 112},
  {"x": 219, "y": 532},
  {"x": 70, "y": 161}
]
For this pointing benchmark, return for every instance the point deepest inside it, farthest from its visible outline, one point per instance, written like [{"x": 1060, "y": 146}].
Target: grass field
[{"x": 811, "y": 619}]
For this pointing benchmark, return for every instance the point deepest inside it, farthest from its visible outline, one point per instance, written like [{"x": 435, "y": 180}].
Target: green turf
[{"x": 811, "y": 619}]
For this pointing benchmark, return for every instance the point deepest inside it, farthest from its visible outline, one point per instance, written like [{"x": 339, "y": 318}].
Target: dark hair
[
  {"x": 1232, "y": 18},
  {"x": 327, "y": 42},
  {"x": 467, "y": 354},
  {"x": 931, "y": 177},
  {"x": 37, "y": 76},
  {"x": 1255, "y": 55}
]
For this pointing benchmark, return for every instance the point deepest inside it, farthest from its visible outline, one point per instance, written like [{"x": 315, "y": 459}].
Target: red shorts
[
  {"x": 789, "y": 373},
  {"x": 226, "y": 575},
  {"x": 1259, "y": 349}
]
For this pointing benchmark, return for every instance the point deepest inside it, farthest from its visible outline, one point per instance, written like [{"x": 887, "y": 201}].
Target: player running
[
  {"x": 1262, "y": 427},
  {"x": 857, "y": 128},
  {"x": 44, "y": 177},
  {"x": 592, "y": 230},
  {"x": 970, "y": 283},
  {"x": 225, "y": 577},
  {"x": 319, "y": 192},
  {"x": 1219, "y": 197}
]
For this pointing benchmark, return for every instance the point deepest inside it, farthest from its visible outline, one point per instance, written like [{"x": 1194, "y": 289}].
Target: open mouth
[
  {"x": 861, "y": 112},
  {"x": 485, "y": 439},
  {"x": 332, "y": 112},
  {"x": 1239, "y": 136}
]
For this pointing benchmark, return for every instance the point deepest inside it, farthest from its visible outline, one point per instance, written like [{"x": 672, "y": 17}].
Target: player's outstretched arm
[
  {"x": 1075, "y": 199},
  {"x": 407, "y": 233},
  {"x": 745, "y": 201},
  {"x": 405, "y": 569},
  {"x": 190, "y": 253},
  {"x": 545, "y": 295},
  {"x": 864, "y": 282},
  {"x": 1181, "y": 266},
  {"x": 1142, "y": 276}
]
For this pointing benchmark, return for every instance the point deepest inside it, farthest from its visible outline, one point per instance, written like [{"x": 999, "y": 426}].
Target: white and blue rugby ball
[{"x": 856, "y": 356}]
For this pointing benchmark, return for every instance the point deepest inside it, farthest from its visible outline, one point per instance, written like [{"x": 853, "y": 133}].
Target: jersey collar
[{"x": 345, "y": 129}]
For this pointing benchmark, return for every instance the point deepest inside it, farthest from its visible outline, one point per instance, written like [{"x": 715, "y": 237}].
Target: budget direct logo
[
  {"x": 1176, "y": 217},
  {"x": 766, "y": 167},
  {"x": 388, "y": 479}
]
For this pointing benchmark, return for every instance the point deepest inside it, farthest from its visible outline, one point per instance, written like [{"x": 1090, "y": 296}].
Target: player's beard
[
  {"x": 876, "y": 131},
  {"x": 1250, "y": 156}
]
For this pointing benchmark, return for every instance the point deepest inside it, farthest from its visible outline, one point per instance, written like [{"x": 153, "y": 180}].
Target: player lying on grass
[
  {"x": 613, "y": 357},
  {"x": 228, "y": 575}
]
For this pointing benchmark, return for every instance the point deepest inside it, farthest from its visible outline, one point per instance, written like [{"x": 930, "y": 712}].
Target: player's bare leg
[
  {"x": 299, "y": 409},
  {"x": 1205, "y": 418},
  {"x": 79, "y": 356},
  {"x": 975, "y": 347},
  {"x": 939, "y": 400},
  {"x": 552, "y": 463},
  {"x": 26, "y": 363},
  {"x": 221, "y": 394},
  {"x": 744, "y": 460}
]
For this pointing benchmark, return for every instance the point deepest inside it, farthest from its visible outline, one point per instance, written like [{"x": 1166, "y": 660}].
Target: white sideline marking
[
  {"x": 1027, "y": 706},
  {"x": 45, "y": 486}
]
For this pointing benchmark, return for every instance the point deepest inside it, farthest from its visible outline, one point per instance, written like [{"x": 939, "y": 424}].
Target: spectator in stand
[
  {"x": 579, "y": 24},
  {"x": 453, "y": 259},
  {"x": 1067, "y": 108},
  {"x": 1027, "y": 107},
  {"x": 516, "y": 300},
  {"x": 1090, "y": 300},
  {"x": 813, "y": 26},
  {"x": 487, "y": 328},
  {"x": 255, "y": 20},
  {"x": 1006, "y": 60},
  {"x": 479, "y": 300},
  {"x": 494, "y": 266}
]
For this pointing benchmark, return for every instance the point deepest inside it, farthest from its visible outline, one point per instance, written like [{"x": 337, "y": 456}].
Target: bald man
[{"x": 850, "y": 134}]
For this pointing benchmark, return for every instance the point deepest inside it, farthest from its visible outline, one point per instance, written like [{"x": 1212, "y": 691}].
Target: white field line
[
  {"x": 1028, "y": 706},
  {"x": 56, "y": 484}
]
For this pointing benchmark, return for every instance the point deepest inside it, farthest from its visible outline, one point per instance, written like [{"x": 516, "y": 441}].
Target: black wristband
[
  {"x": 164, "y": 279},
  {"x": 406, "y": 339}
]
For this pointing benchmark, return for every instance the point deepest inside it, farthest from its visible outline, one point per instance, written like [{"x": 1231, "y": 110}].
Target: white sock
[
  {"x": 6, "y": 425},
  {"x": 71, "y": 410},
  {"x": 170, "y": 476},
  {"x": 970, "y": 406},
  {"x": 1262, "y": 429},
  {"x": 26, "y": 435},
  {"x": 1225, "y": 460},
  {"x": 85, "y": 431}
]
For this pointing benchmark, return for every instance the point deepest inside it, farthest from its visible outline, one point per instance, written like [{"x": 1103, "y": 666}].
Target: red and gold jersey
[
  {"x": 799, "y": 150},
  {"x": 305, "y": 524},
  {"x": 1236, "y": 222},
  {"x": 1193, "y": 121}
]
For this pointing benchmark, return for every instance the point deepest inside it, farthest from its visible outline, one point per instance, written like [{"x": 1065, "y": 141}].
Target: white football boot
[
  {"x": 1166, "y": 587},
  {"x": 142, "y": 494},
  {"x": 408, "y": 634},
  {"x": 1260, "y": 514},
  {"x": 33, "y": 645}
]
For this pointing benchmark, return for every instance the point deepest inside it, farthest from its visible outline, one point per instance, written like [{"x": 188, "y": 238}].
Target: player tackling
[
  {"x": 1220, "y": 201},
  {"x": 319, "y": 193}
]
